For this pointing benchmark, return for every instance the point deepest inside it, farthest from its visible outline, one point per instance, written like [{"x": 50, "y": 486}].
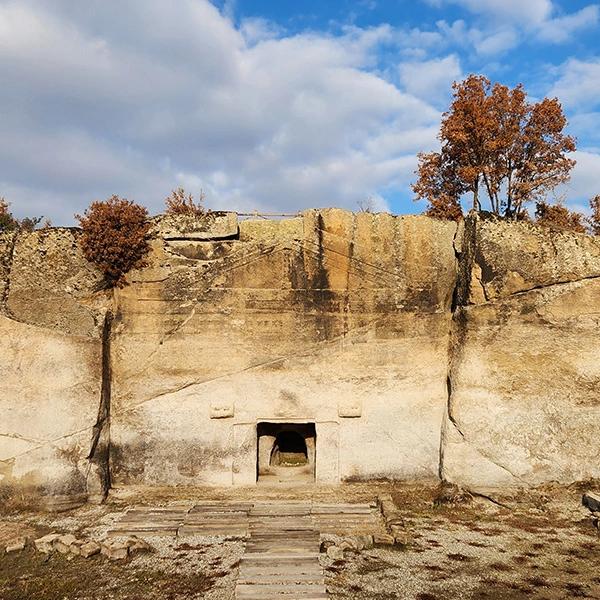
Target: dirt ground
[{"x": 538, "y": 544}]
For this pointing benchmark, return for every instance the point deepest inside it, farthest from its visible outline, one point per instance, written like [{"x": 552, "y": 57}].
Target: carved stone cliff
[{"x": 416, "y": 348}]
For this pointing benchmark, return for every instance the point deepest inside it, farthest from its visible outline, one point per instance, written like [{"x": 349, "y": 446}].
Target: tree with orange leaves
[
  {"x": 594, "y": 219},
  {"x": 495, "y": 142}
]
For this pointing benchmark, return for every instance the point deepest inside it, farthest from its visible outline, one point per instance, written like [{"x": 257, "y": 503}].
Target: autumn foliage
[
  {"x": 115, "y": 237},
  {"x": 497, "y": 145},
  {"x": 558, "y": 216},
  {"x": 594, "y": 219},
  {"x": 182, "y": 203}
]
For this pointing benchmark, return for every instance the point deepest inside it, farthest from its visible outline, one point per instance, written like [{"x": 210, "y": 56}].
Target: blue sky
[{"x": 273, "y": 106}]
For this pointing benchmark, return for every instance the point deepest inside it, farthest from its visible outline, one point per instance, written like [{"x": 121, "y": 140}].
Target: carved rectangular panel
[{"x": 350, "y": 408}]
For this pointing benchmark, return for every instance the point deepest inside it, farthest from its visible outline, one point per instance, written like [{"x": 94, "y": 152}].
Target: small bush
[
  {"x": 559, "y": 217},
  {"x": 115, "y": 237},
  {"x": 182, "y": 203},
  {"x": 10, "y": 223},
  {"x": 7, "y": 221}
]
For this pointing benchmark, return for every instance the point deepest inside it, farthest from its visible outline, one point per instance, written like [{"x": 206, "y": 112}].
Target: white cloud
[
  {"x": 530, "y": 11},
  {"x": 500, "y": 22},
  {"x": 560, "y": 29},
  {"x": 585, "y": 179},
  {"x": 578, "y": 84},
  {"x": 486, "y": 42},
  {"x": 431, "y": 80},
  {"x": 174, "y": 93}
]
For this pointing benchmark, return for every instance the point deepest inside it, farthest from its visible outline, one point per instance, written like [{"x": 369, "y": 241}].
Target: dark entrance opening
[
  {"x": 286, "y": 452},
  {"x": 289, "y": 450}
]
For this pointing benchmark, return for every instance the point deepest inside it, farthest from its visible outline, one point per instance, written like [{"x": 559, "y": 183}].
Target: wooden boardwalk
[
  {"x": 282, "y": 554},
  {"x": 281, "y": 559}
]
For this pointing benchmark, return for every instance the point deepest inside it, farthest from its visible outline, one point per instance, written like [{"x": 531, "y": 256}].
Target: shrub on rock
[{"x": 115, "y": 237}]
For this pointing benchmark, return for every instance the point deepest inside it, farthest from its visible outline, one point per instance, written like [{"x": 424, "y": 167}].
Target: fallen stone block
[
  {"x": 402, "y": 538},
  {"x": 592, "y": 501},
  {"x": 89, "y": 549},
  {"x": 137, "y": 545},
  {"x": 115, "y": 550},
  {"x": 398, "y": 521},
  {"x": 62, "y": 544},
  {"x": 16, "y": 545},
  {"x": 75, "y": 547},
  {"x": 46, "y": 544},
  {"x": 383, "y": 539}
]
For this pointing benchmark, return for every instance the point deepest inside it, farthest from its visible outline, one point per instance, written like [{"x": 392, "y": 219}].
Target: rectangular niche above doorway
[{"x": 286, "y": 453}]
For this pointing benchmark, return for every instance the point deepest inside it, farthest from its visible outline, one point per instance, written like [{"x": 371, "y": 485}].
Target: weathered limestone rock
[
  {"x": 48, "y": 401},
  {"x": 75, "y": 547},
  {"x": 289, "y": 323},
  {"x": 592, "y": 501},
  {"x": 207, "y": 226},
  {"x": 524, "y": 378},
  {"x": 335, "y": 553},
  {"x": 368, "y": 329},
  {"x": 383, "y": 539},
  {"x": 51, "y": 283},
  {"x": 7, "y": 241},
  {"x": 137, "y": 545},
  {"x": 516, "y": 257}
]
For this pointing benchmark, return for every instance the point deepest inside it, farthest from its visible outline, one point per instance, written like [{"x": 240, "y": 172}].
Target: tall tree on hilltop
[{"x": 495, "y": 143}]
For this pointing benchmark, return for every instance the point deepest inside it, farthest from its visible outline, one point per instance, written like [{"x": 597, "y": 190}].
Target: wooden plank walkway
[{"x": 282, "y": 554}]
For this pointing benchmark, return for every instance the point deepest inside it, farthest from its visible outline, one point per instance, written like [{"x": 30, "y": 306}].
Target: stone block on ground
[
  {"x": 383, "y": 539},
  {"x": 46, "y": 543},
  {"x": 16, "y": 545},
  {"x": 62, "y": 544},
  {"x": 115, "y": 550},
  {"x": 402, "y": 538},
  {"x": 137, "y": 545},
  {"x": 89, "y": 549},
  {"x": 75, "y": 547}
]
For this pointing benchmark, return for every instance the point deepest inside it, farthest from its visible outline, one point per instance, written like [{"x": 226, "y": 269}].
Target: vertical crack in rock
[
  {"x": 465, "y": 257},
  {"x": 9, "y": 263},
  {"x": 100, "y": 449}
]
